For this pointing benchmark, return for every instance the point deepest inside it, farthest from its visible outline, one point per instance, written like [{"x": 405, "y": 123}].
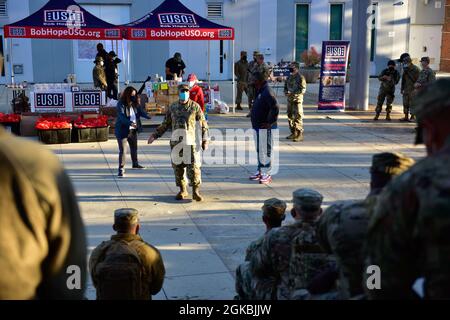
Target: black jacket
[{"x": 265, "y": 108}]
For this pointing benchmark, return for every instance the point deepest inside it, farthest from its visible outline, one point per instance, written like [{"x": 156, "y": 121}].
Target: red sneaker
[
  {"x": 265, "y": 179},
  {"x": 256, "y": 176}
]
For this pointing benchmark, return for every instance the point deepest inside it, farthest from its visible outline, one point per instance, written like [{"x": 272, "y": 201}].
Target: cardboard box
[
  {"x": 173, "y": 90},
  {"x": 162, "y": 100},
  {"x": 151, "y": 100}
]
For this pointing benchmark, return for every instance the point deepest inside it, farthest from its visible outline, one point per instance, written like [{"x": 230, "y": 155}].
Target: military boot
[
  {"x": 292, "y": 135},
  {"x": 182, "y": 194},
  {"x": 377, "y": 116},
  {"x": 298, "y": 136},
  {"x": 388, "y": 116},
  {"x": 238, "y": 107},
  {"x": 406, "y": 118},
  {"x": 196, "y": 194}
]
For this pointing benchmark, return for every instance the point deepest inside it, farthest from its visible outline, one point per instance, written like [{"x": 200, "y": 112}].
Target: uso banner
[{"x": 333, "y": 75}]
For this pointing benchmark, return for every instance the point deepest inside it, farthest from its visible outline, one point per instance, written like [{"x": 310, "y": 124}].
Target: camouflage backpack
[
  {"x": 119, "y": 273},
  {"x": 308, "y": 259}
]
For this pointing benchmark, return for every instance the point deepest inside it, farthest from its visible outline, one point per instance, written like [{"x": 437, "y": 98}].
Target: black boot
[{"x": 377, "y": 116}]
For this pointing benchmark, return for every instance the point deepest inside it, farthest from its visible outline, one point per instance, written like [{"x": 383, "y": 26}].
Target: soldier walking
[
  {"x": 182, "y": 117},
  {"x": 241, "y": 72},
  {"x": 389, "y": 78},
  {"x": 294, "y": 89},
  {"x": 409, "y": 79}
]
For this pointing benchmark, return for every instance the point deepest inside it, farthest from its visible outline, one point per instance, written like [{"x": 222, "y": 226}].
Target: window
[
  {"x": 301, "y": 30},
  {"x": 336, "y": 11},
  {"x": 3, "y": 8},
  {"x": 215, "y": 10}
]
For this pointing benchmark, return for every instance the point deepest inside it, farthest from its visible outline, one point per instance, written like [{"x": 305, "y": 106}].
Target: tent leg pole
[
  {"x": 128, "y": 59},
  {"x": 11, "y": 68},
  {"x": 118, "y": 78},
  {"x": 209, "y": 63},
  {"x": 233, "y": 79},
  {"x": 124, "y": 63}
]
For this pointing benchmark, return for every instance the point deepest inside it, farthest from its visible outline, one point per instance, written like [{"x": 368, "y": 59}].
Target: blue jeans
[{"x": 264, "y": 143}]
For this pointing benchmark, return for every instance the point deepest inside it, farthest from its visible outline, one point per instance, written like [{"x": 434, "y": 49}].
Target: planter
[
  {"x": 13, "y": 127},
  {"x": 311, "y": 74},
  {"x": 55, "y": 136},
  {"x": 83, "y": 135}
]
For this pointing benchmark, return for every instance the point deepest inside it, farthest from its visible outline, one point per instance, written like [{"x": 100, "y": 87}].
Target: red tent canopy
[
  {"x": 173, "y": 21},
  {"x": 63, "y": 19}
]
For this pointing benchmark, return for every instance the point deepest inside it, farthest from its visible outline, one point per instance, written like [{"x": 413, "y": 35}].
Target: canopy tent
[
  {"x": 174, "y": 21},
  {"x": 61, "y": 19}
]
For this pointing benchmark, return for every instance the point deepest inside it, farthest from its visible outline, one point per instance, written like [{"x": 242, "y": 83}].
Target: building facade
[{"x": 281, "y": 29}]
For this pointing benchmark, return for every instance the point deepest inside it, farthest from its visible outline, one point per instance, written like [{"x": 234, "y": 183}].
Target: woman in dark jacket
[{"x": 128, "y": 125}]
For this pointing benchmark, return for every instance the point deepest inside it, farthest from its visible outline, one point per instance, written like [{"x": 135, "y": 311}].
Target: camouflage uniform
[
  {"x": 426, "y": 77},
  {"x": 387, "y": 89},
  {"x": 182, "y": 120},
  {"x": 284, "y": 247},
  {"x": 343, "y": 226},
  {"x": 409, "y": 78},
  {"x": 253, "y": 69},
  {"x": 241, "y": 72},
  {"x": 408, "y": 236},
  {"x": 248, "y": 286},
  {"x": 153, "y": 270},
  {"x": 99, "y": 75},
  {"x": 296, "y": 86}
]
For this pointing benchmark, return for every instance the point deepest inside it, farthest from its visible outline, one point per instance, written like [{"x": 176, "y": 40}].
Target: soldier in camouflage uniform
[
  {"x": 294, "y": 89},
  {"x": 182, "y": 118},
  {"x": 409, "y": 79},
  {"x": 112, "y": 263},
  {"x": 273, "y": 259},
  {"x": 343, "y": 226},
  {"x": 408, "y": 235},
  {"x": 389, "y": 79},
  {"x": 426, "y": 76},
  {"x": 241, "y": 72},
  {"x": 249, "y": 287},
  {"x": 99, "y": 75}
]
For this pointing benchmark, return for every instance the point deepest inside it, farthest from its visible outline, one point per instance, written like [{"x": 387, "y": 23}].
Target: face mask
[
  {"x": 191, "y": 84},
  {"x": 184, "y": 96},
  {"x": 244, "y": 58},
  {"x": 133, "y": 99},
  {"x": 405, "y": 65},
  {"x": 102, "y": 63}
]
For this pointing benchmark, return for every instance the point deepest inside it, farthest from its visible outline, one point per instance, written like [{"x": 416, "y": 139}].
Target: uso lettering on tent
[
  {"x": 112, "y": 33},
  {"x": 17, "y": 32},
  {"x": 63, "y": 16},
  {"x": 50, "y": 100},
  {"x": 176, "y": 19},
  {"x": 86, "y": 99},
  {"x": 336, "y": 51}
]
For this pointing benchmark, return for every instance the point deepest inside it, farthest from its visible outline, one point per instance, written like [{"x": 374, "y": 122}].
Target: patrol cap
[
  {"x": 307, "y": 199},
  {"x": 295, "y": 64},
  {"x": 274, "y": 208},
  {"x": 426, "y": 59},
  {"x": 183, "y": 87},
  {"x": 243, "y": 53},
  {"x": 390, "y": 163},
  {"x": 391, "y": 63},
  {"x": 259, "y": 55},
  {"x": 256, "y": 53},
  {"x": 127, "y": 216}
]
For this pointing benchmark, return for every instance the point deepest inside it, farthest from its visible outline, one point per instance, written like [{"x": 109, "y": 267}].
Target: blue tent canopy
[
  {"x": 63, "y": 19},
  {"x": 173, "y": 21}
]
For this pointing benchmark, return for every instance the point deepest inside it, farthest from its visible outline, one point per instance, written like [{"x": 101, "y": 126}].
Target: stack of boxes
[{"x": 163, "y": 95}]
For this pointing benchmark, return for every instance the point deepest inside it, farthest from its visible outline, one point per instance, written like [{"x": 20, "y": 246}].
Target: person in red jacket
[{"x": 196, "y": 92}]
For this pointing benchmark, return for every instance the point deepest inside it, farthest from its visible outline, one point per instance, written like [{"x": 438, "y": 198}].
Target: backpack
[
  {"x": 119, "y": 273},
  {"x": 308, "y": 258}
]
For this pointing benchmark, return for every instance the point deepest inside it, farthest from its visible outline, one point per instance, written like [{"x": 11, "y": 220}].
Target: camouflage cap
[
  {"x": 391, "y": 163},
  {"x": 126, "y": 216},
  {"x": 243, "y": 53},
  {"x": 274, "y": 208},
  {"x": 256, "y": 52},
  {"x": 426, "y": 59},
  {"x": 183, "y": 86},
  {"x": 433, "y": 99},
  {"x": 307, "y": 198}
]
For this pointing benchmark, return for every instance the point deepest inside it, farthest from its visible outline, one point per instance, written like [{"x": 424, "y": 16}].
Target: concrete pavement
[{"x": 203, "y": 243}]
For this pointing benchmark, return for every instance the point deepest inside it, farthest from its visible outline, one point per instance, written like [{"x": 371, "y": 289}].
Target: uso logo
[
  {"x": 139, "y": 33},
  {"x": 225, "y": 33},
  {"x": 177, "y": 19},
  {"x": 50, "y": 100},
  {"x": 86, "y": 99},
  {"x": 113, "y": 33},
  {"x": 63, "y": 16},
  {"x": 17, "y": 32},
  {"x": 336, "y": 51}
]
